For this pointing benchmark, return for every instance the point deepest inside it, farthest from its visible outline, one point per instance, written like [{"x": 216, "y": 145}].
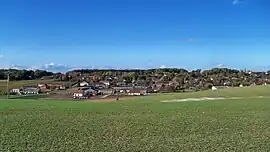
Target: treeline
[
  {"x": 159, "y": 70},
  {"x": 169, "y": 70},
  {"x": 218, "y": 74},
  {"x": 15, "y": 74}
]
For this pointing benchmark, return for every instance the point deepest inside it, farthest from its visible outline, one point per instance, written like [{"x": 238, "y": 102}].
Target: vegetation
[
  {"x": 15, "y": 74},
  {"x": 178, "y": 79},
  {"x": 139, "y": 124}
]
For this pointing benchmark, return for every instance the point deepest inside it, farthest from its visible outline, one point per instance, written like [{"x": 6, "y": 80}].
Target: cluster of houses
[
  {"x": 37, "y": 89},
  {"x": 87, "y": 90},
  {"x": 84, "y": 89},
  {"x": 101, "y": 89},
  {"x": 26, "y": 90}
]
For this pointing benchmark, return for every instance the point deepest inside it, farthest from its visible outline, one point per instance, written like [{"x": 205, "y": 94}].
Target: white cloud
[
  {"x": 236, "y": 2},
  {"x": 163, "y": 66},
  {"x": 55, "y": 67},
  {"x": 220, "y": 65},
  {"x": 1, "y": 56},
  {"x": 52, "y": 67},
  {"x": 19, "y": 67}
]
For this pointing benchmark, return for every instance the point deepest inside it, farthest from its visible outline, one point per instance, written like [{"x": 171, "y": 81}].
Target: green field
[{"x": 140, "y": 124}]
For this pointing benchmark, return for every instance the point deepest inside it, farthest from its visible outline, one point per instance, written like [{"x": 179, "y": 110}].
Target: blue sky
[{"x": 135, "y": 33}]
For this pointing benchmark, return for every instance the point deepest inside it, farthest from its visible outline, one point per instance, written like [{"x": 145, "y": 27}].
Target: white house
[
  {"x": 137, "y": 92},
  {"x": 107, "y": 83},
  {"x": 17, "y": 91},
  {"x": 84, "y": 83},
  {"x": 214, "y": 88},
  {"x": 78, "y": 94},
  {"x": 219, "y": 87}
]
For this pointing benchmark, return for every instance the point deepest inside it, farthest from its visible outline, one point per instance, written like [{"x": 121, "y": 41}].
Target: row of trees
[
  {"x": 179, "y": 77},
  {"x": 170, "y": 70},
  {"x": 15, "y": 74}
]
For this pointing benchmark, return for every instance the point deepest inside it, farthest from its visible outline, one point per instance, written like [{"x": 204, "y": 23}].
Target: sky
[{"x": 61, "y": 35}]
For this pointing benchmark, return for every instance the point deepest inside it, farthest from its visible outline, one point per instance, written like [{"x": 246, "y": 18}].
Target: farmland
[{"x": 140, "y": 124}]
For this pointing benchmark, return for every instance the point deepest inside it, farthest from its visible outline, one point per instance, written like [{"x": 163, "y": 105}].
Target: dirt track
[{"x": 110, "y": 99}]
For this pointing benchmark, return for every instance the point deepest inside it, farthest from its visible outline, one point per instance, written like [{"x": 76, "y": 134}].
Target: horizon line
[{"x": 136, "y": 69}]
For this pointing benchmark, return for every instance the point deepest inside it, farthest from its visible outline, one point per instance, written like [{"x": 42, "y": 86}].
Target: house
[
  {"x": 43, "y": 86},
  {"x": 63, "y": 87},
  {"x": 214, "y": 88},
  {"x": 252, "y": 84},
  {"x": 79, "y": 94},
  {"x": 137, "y": 92},
  {"x": 16, "y": 91},
  {"x": 30, "y": 90},
  {"x": 219, "y": 87},
  {"x": 89, "y": 87},
  {"x": 83, "y": 84},
  {"x": 80, "y": 84},
  {"x": 90, "y": 92},
  {"x": 109, "y": 78},
  {"x": 84, "y": 93},
  {"x": 121, "y": 84},
  {"x": 59, "y": 86},
  {"x": 106, "y": 91},
  {"x": 227, "y": 83},
  {"x": 106, "y": 83},
  {"x": 100, "y": 85},
  {"x": 122, "y": 89}
]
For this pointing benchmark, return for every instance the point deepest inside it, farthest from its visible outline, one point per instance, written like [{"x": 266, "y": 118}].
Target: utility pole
[{"x": 8, "y": 85}]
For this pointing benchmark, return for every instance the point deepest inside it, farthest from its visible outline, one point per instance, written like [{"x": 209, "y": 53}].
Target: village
[
  {"x": 102, "y": 90},
  {"x": 84, "y": 90},
  {"x": 103, "y": 84}
]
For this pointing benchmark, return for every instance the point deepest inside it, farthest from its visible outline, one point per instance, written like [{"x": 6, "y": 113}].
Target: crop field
[{"x": 140, "y": 124}]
